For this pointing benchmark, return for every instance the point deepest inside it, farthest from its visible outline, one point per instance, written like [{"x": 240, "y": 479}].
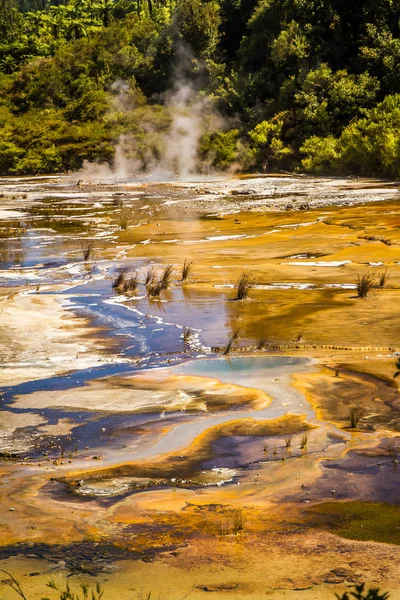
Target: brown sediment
[
  {"x": 334, "y": 390},
  {"x": 186, "y": 463}
]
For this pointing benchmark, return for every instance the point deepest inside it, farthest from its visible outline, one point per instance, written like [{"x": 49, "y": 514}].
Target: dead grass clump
[
  {"x": 124, "y": 218},
  {"x": 304, "y": 441},
  {"x": 187, "y": 269},
  {"x": 261, "y": 344},
  {"x": 243, "y": 286},
  {"x": 187, "y": 334},
  {"x": 87, "y": 250},
  {"x": 364, "y": 284},
  {"x": 154, "y": 290},
  {"x": 119, "y": 280},
  {"x": 355, "y": 417},
  {"x": 239, "y": 520},
  {"x": 222, "y": 528},
  {"x": 234, "y": 338},
  {"x": 166, "y": 277},
  {"x": 299, "y": 337},
  {"x": 150, "y": 276},
  {"x": 383, "y": 277},
  {"x": 131, "y": 284}
]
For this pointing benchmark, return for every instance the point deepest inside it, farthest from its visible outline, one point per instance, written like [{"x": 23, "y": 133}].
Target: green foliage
[
  {"x": 266, "y": 143},
  {"x": 322, "y": 155},
  {"x": 220, "y": 149},
  {"x": 198, "y": 23},
  {"x": 309, "y": 85}
]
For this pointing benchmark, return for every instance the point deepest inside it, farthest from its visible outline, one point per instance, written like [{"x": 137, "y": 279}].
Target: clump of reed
[
  {"x": 187, "y": 268},
  {"x": 304, "y": 441},
  {"x": 87, "y": 250},
  {"x": 355, "y": 417},
  {"x": 150, "y": 276},
  {"x": 288, "y": 443},
  {"x": 383, "y": 277},
  {"x": 243, "y": 286},
  {"x": 130, "y": 285},
  {"x": 155, "y": 288},
  {"x": 222, "y": 528},
  {"x": 239, "y": 520},
  {"x": 299, "y": 337},
  {"x": 261, "y": 344},
  {"x": 165, "y": 279},
  {"x": 124, "y": 218},
  {"x": 119, "y": 280},
  {"x": 187, "y": 335},
  {"x": 233, "y": 338},
  {"x": 364, "y": 283}
]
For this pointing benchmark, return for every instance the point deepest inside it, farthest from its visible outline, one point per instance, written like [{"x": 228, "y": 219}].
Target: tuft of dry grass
[
  {"x": 187, "y": 334},
  {"x": 187, "y": 268},
  {"x": 383, "y": 277},
  {"x": 131, "y": 284},
  {"x": 355, "y": 417},
  {"x": 124, "y": 218},
  {"x": 150, "y": 276},
  {"x": 299, "y": 337},
  {"x": 222, "y": 528},
  {"x": 262, "y": 342},
  {"x": 119, "y": 280},
  {"x": 234, "y": 338},
  {"x": 166, "y": 277},
  {"x": 87, "y": 250},
  {"x": 243, "y": 286},
  {"x": 154, "y": 289},
  {"x": 304, "y": 441},
  {"x": 239, "y": 520},
  {"x": 364, "y": 283}
]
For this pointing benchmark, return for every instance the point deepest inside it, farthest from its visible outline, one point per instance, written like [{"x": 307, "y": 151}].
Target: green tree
[{"x": 198, "y": 24}]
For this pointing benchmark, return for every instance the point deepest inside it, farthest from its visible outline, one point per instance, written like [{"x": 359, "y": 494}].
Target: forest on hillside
[{"x": 270, "y": 85}]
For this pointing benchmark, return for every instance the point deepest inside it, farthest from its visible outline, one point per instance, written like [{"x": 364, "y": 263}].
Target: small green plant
[
  {"x": 187, "y": 269},
  {"x": 361, "y": 593},
  {"x": 87, "y": 250},
  {"x": 234, "y": 338},
  {"x": 243, "y": 286},
  {"x": 363, "y": 284},
  {"x": 355, "y": 417}
]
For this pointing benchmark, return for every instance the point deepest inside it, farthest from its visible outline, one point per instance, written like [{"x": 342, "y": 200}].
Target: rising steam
[{"x": 191, "y": 115}]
